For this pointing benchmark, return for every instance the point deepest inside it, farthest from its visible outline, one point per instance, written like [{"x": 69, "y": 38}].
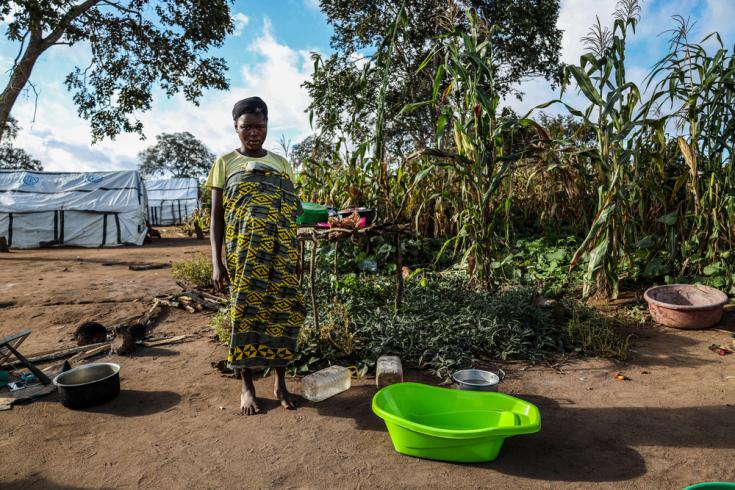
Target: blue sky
[{"x": 269, "y": 55}]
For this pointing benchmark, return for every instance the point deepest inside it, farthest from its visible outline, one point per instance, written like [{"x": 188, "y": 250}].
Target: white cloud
[
  {"x": 312, "y": 4},
  {"x": 277, "y": 79},
  {"x": 718, "y": 17},
  {"x": 10, "y": 17},
  {"x": 575, "y": 19},
  {"x": 647, "y": 45},
  {"x": 240, "y": 20},
  {"x": 62, "y": 141}
]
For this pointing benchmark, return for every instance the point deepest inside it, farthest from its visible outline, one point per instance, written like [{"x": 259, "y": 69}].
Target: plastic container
[
  {"x": 688, "y": 306},
  {"x": 313, "y": 214},
  {"x": 712, "y": 485},
  {"x": 388, "y": 371},
  {"x": 452, "y": 425},
  {"x": 325, "y": 383}
]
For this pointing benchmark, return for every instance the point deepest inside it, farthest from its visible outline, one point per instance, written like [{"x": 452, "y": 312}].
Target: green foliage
[
  {"x": 444, "y": 325},
  {"x": 614, "y": 114},
  {"x": 199, "y": 220},
  {"x": 345, "y": 89},
  {"x": 12, "y": 157},
  {"x": 222, "y": 326},
  {"x": 593, "y": 334},
  {"x": 540, "y": 263},
  {"x": 377, "y": 254},
  {"x": 196, "y": 270},
  {"x": 135, "y": 46},
  {"x": 482, "y": 158},
  {"x": 205, "y": 198},
  {"x": 177, "y": 154}
]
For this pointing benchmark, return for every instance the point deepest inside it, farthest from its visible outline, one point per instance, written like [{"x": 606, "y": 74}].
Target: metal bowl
[
  {"x": 88, "y": 385},
  {"x": 477, "y": 379}
]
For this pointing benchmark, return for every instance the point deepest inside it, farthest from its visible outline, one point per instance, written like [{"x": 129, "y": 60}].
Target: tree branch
[
  {"x": 20, "y": 50},
  {"x": 65, "y": 21},
  {"x": 120, "y": 7},
  {"x": 35, "y": 101}
]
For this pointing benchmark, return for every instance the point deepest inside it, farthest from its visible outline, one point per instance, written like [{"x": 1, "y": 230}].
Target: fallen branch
[
  {"x": 53, "y": 355},
  {"x": 91, "y": 352},
  {"x": 172, "y": 340}
]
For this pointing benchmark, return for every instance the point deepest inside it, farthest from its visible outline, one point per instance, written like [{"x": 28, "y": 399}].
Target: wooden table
[{"x": 317, "y": 236}]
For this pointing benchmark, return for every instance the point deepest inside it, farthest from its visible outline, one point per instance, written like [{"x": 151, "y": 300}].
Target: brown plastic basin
[{"x": 689, "y": 306}]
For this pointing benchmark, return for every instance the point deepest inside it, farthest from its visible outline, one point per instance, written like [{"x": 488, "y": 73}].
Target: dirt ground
[{"x": 175, "y": 423}]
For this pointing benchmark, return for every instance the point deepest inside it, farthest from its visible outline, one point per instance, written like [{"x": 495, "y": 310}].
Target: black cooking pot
[{"x": 88, "y": 385}]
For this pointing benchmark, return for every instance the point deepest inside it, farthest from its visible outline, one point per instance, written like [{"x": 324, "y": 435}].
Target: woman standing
[{"x": 254, "y": 208}]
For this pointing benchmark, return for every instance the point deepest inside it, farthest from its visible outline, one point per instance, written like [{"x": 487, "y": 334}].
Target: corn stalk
[
  {"x": 467, "y": 100},
  {"x": 614, "y": 114}
]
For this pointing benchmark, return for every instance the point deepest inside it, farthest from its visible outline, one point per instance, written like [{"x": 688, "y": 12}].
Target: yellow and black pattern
[{"x": 267, "y": 306}]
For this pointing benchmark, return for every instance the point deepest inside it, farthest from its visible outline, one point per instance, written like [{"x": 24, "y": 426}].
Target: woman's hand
[
  {"x": 219, "y": 277},
  {"x": 216, "y": 236}
]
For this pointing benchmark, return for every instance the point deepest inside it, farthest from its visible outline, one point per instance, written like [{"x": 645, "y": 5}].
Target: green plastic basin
[
  {"x": 452, "y": 425},
  {"x": 712, "y": 485},
  {"x": 313, "y": 214}
]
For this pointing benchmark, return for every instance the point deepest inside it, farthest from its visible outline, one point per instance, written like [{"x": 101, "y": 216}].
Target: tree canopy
[
  {"x": 11, "y": 157},
  {"x": 178, "y": 154},
  {"x": 346, "y": 86},
  {"x": 135, "y": 46}
]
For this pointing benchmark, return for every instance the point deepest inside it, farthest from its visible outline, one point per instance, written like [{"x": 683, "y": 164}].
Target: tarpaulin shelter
[
  {"x": 171, "y": 201},
  {"x": 94, "y": 209}
]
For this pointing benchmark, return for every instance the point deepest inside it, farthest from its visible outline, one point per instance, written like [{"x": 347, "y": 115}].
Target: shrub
[
  {"x": 196, "y": 270},
  {"x": 593, "y": 334},
  {"x": 222, "y": 326},
  {"x": 445, "y": 325}
]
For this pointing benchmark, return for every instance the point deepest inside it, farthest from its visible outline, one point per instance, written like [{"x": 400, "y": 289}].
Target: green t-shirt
[{"x": 225, "y": 165}]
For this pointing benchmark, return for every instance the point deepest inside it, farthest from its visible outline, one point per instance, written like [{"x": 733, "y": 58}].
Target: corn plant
[
  {"x": 467, "y": 99},
  {"x": 615, "y": 113},
  {"x": 699, "y": 87}
]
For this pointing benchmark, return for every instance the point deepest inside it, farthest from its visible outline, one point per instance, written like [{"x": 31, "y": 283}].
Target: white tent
[
  {"x": 171, "y": 201},
  {"x": 80, "y": 209}
]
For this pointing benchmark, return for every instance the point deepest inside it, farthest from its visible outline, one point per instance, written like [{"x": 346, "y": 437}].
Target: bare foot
[
  {"x": 287, "y": 399},
  {"x": 248, "y": 402},
  {"x": 281, "y": 392}
]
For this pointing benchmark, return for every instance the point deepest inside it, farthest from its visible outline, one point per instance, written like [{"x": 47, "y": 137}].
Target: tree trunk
[
  {"x": 18, "y": 79},
  {"x": 36, "y": 46}
]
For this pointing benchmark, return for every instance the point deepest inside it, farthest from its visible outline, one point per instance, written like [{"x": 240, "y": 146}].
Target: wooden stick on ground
[
  {"x": 89, "y": 353},
  {"x": 172, "y": 340},
  {"x": 53, "y": 355}
]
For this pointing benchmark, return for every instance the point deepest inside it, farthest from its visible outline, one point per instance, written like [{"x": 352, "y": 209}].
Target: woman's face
[{"x": 252, "y": 130}]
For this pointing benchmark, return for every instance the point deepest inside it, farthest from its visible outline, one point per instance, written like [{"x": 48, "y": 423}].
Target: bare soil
[{"x": 176, "y": 422}]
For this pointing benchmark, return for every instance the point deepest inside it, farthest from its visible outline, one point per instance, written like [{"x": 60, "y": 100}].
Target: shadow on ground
[
  {"x": 137, "y": 403},
  {"x": 356, "y": 404},
  {"x": 661, "y": 346},
  {"x": 596, "y": 444},
  {"x": 577, "y": 444},
  {"x": 33, "y": 481},
  {"x": 156, "y": 352}
]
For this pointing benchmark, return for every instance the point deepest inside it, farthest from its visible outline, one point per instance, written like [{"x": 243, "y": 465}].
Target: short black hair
[{"x": 251, "y": 105}]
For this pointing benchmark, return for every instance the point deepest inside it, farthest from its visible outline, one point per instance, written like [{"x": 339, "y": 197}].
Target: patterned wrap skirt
[{"x": 266, "y": 304}]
